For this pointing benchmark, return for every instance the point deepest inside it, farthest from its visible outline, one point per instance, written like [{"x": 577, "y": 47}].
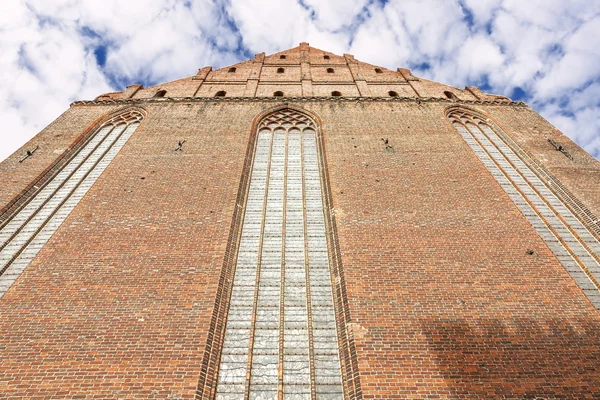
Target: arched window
[
  {"x": 537, "y": 194},
  {"x": 278, "y": 93},
  {"x": 220, "y": 93},
  {"x": 450, "y": 95},
  {"x": 160, "y": 93},
  {"x": 280, "y": 70},
  {"x": 326, "y": 57},
  {"x": 283, "y": 57},
  {"x": 232, "y": 69},
  {"x": 393, "y": 94},
  {"x": 378, "y": 71},
  {"x": 287, "y": 172},
  {"x": 335, "y": 93},
  {"x": 330, "y": 70},
  {"x": 88, "y": 159}
]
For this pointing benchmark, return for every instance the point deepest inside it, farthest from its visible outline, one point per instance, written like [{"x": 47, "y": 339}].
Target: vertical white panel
[{"x": 284, "y": 244}]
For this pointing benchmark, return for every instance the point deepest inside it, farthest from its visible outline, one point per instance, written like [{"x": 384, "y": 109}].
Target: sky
[{"x": 544, "y": 52}]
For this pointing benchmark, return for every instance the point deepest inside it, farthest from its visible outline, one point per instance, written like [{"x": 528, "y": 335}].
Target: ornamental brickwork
[{"x": 446, "y": 240}]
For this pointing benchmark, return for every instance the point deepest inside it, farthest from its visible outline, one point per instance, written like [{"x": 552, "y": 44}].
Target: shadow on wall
[{"x": 523, "y": 360}]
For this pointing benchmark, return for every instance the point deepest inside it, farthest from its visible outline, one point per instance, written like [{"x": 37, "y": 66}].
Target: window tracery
[{"x": 281, "y": 338}]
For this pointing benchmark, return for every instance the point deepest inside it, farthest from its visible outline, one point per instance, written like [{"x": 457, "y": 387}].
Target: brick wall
[
  {"x": 443, "y": 298},
  {"x": 442, "y": 295}
]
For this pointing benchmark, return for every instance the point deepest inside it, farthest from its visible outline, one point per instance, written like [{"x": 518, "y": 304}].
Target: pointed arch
[
  {"x": 272, "y": 110},
  {"x": 450, "y": 95},
  {"x": 285, "y": 168}
]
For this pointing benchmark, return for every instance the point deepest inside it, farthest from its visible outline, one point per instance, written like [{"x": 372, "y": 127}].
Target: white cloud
[
  {"x": 482, "y": 10},
  {"x": 547, "y": 48},
  {"x": 580, "y": 63},
  {"x": 336, "y": 14},
  {"x": 269, "y": 32},
  {"x": 48, "y": 60},
  {"x": 479, "y": 57},
  {"x": 45, "y": 66}
]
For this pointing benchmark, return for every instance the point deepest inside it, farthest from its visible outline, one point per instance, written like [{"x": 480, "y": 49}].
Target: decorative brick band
[{"x": 312, "y": 99}]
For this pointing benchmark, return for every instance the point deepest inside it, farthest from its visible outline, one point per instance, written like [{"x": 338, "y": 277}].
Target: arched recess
[
  {"x": 558, "y": 216},
  {"x": 25, "y": 227},
  {"x": 281, "y": 255}
]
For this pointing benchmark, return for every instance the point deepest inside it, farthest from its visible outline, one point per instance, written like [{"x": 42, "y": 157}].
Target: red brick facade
[{"x": 444, "y": 289}]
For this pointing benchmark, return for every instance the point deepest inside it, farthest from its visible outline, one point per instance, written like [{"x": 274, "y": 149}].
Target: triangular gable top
[{"x": 296, "y": 70}]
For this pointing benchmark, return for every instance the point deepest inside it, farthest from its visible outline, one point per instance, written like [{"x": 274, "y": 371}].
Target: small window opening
[
  {"x": 450, "y": 95},
  {"x": 393, "y": 94},
  {"x": 232, "y": 69},
  {"x": 220, "y": 93},
  {"x": 326, "y": 57},
  {"x": 335, "y": 93},
  {"x": 160, "y": 93},
  {"x": 378, "y": 71},
  {"x": 283, "y": 56},
  {"x": 280, "y": 70},
  {"x": 330, "y": 70},
  {"x": 278, "y": 93}
]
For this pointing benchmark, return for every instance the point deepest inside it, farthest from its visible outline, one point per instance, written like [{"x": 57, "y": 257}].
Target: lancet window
[
  {"x": 281, "y": 338},
  {"x": 23, "y": 236},
  {"x": 525, "y": 183}
]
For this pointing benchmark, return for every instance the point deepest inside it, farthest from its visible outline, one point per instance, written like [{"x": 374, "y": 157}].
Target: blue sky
[{"x": 545, "y": 52}]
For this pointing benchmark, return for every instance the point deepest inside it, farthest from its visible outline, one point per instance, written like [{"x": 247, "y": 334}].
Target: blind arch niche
[{"x": 284, "y": 334}]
